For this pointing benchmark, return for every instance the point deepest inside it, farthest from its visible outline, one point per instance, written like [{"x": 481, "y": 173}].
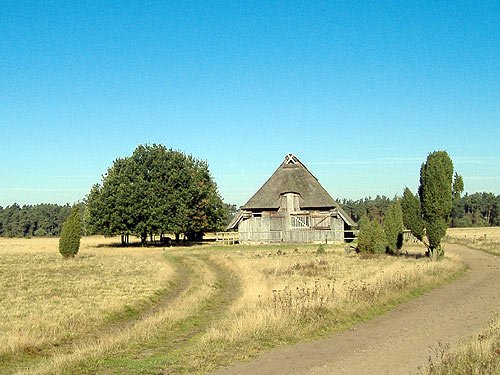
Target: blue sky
[{"x": 361, "y": 92}]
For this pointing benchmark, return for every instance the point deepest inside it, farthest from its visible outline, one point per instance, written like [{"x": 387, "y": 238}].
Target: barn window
[
  {"x": 300, "y": 221},
  {"x": 290, "y": 202}
]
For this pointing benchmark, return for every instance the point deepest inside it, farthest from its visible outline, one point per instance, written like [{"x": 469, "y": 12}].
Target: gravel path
[{"x": 400, "y": 341}]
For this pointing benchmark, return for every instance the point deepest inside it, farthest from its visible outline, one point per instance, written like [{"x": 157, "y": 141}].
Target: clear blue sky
[{"x": 361, "y": 92}]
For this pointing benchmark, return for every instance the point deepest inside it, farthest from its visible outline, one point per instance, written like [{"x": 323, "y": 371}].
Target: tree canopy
[
  {"x": 435, "y": 192},
  {"x": 155, "y": 191}
]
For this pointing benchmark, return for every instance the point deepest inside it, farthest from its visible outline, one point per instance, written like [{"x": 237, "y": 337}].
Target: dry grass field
[
  {"x": 478, "y": 355},
  {"x": 46, "y": 300},
  {"x": 187, "y": 309},
  {"x": 486, "y": 239}
]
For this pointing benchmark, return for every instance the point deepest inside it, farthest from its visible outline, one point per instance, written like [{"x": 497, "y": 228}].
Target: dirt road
[{"x": 400, "y": 341}]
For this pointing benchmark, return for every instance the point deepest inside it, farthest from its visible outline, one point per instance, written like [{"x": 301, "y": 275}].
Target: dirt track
[{"x": 400, "y": 341}]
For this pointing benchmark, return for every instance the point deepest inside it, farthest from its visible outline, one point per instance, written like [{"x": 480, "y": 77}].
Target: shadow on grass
[{"x": 157, "y": 244}]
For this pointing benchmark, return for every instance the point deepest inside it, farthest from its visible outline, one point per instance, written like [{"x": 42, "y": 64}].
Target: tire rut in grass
[
  {"x": 167, "y": 355},
  {"x": 15, "y": 363}
]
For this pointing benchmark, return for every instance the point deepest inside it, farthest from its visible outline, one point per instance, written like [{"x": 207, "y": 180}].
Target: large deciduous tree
[
  {"x": 155, "y": 191},
  {"x": 435, "y": 191}
]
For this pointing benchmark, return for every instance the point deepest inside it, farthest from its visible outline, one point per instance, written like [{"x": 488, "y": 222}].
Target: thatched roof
[{"x": 291, "y": 177}]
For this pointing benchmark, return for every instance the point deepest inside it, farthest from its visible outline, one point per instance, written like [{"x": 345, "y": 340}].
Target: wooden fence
[
  {"x": 227, "y": 238},
  {"x": 231, "y": 238},
  {"x": 311, "y": 235}
]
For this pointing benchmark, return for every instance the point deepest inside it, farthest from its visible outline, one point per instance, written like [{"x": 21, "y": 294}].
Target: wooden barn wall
[
  {"x": 337, "y": 228},
  {"x": 271, "y": 229}
]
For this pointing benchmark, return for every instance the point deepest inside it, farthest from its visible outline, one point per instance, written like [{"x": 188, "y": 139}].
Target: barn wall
[
  {"x": 272, "y": 227},
  {"x": 258, "y": 229},
  {"x": 337, "y": 228}
]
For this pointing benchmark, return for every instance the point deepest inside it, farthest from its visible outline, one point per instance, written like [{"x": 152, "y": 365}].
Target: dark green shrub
[
  {"x": 69, "y": 242},
  {"x": 371, "y": 237},
  {"x": 40, "y": 233}
]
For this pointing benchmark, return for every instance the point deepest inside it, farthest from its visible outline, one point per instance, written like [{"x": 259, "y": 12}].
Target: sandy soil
[{"x": 400, "y": 341}]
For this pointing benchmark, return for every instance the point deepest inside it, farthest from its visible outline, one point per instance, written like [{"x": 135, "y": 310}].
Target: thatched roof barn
[{"x": 291, "y": 206}]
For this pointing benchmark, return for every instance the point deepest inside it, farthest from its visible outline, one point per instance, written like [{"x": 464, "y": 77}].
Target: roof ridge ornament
[{"x": 290, "y": 159}]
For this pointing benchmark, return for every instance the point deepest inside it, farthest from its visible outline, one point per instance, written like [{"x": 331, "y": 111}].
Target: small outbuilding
[{"x": 292, "y": 206}]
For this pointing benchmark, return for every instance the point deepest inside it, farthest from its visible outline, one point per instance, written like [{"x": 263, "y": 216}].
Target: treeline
[
  {"x": 474, "y": 210},
  {"x": 374, "y": 208},
  {"x": 45, "y": 220},
  {"x": 32, "y": 220}
]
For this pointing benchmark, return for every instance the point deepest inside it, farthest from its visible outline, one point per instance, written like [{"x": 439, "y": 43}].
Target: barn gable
[
  {"x": 291, "y": 206},
  {"x": 291, "y": 177}
]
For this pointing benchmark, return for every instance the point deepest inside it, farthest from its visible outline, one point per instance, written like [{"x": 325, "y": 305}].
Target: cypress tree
[
  {"x": 69, "y": 242},
  {"x": 458, "y": 186},
  {"x": 435, "y": 190},
  {"x": 393, "y": 227},
  {"x": 412, "y": 215}
]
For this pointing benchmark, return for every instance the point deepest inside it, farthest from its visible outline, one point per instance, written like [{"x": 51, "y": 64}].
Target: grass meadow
[
  {"x": 114, "y": 310},
  {"x": 486, "y": 239},
  {"x": 46, "y": 300}
]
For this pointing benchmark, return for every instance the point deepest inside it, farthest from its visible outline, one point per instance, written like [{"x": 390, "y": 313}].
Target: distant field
[
  {"x": 186, "y": 309},
  {"x": 484, "y": 238}
]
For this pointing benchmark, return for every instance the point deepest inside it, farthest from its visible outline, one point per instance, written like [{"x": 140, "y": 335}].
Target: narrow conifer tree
[
  {"x": 69, "y": 242},
  {"x": 412, "y": 214},
  {"x": 393, "y": 227},
  {"x": 435, "y": 191}
]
